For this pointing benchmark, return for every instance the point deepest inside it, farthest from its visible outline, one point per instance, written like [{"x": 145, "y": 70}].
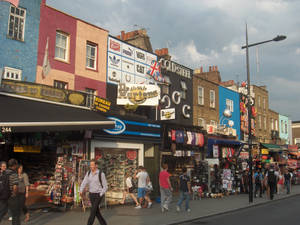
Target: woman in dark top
[{"x": 23, "y": 189}]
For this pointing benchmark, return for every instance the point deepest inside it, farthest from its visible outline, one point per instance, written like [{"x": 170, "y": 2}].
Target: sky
[{"x": 211, "y": 32}]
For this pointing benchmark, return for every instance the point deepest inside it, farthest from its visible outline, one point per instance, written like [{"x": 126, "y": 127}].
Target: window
[
  {"x": 61, "y": 46},
  {"x": 16, "y": 23},
  {"x": 91, "y": 56},
  {"x": 166, "y": 87},
  {"x": 167, "y": 79},
  {"x": 212, "y": 99},
  {"x": 12, "y": 73},
  {"x": 201, "y": 122},
  {"x": 184, "y": 89},
  {"x": 265, "y": 123},
  {"x": 272, "y": 124},
  {"x": 281, "y": 123},
  {"x": 297, "y": 141},
  {"x": 259, "y": 121},
  {"x": 258, "y": 101},
  {"x": 60, "y": 84},
  {"x": 229, "y": 104},
  {"x": 212, "y": 122},
  {"x": 264, "y": 103},
  {"x": 276, "y": 125},
  {"x": 90, "y": 97},
  {"x": 200, "y": 95}
]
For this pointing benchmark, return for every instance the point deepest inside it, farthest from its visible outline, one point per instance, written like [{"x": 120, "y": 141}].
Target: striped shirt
[
  {"x": 13, "y": 178},
  {"x": 92, "y": 179}
]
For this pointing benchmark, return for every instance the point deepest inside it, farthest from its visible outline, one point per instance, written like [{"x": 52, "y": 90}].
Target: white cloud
[
  {"x": 271, "y": 6},
  {"x": 298, "y": 51},
  {"x": 234, "y": 49}
]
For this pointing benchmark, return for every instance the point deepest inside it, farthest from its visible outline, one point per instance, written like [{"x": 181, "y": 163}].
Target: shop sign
[
  {"x": 244, "y": 155},
  {"x": 167, "y": 114},
  {"x": 5, "y": 130},
  {"x": 211, "y": 129},
  {"x": 134, "y": 94},
  {"x": 27, "y": 149},
  {"x": 101, "y": 104},
  {"x": 264, "y": 151},
  {"x": 120, "y": 126},
  {"x": 131, "y": 155},
  {"x": 43, "y": 92},
  {"x": 215, "y": 151},
  {"x": 175, "y": 68}
]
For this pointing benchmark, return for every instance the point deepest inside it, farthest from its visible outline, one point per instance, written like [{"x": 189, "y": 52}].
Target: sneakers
[
  {"x": 177, "y": 208},
  {"x": 149, "y": 205},
  {"x": 138, "y": 207},
  {"x": 188, "y": 210},
  {"x": 162, "y": 209},
  {"x": 10, "y": 218}
]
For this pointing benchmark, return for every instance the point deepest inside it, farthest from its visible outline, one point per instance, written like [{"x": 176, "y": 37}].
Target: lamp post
[{"x": 277, "y": 38}]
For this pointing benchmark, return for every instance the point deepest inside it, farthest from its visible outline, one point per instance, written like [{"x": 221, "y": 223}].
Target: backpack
[
  {"x": 271, "y": 176},
  {"x": 100, "y": 179},
  {"x": 257, "y": 179},
  {"x": 4, "y": 186}
]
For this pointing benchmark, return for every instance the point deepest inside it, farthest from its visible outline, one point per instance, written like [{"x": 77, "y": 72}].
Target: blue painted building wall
[
  {"x": 284, "y": 128},
  {"x": 21, "y": 54},
  {"x": 225, "y": 93}
]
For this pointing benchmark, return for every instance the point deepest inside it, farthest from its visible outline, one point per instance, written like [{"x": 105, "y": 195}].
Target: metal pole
[{"x": 249, "y": 121}]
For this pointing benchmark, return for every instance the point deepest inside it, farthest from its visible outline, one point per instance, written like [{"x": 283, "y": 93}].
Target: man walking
[
  {"x": 185, "y": 190},
  {"x": 287, "y": 180},
  {"x": 97, "y": 187},
  {"x": 143, "y": 180},
  {"x": 272, "y": 181},
  {"x": 258, "y": 180},
  {"x": 4, "y": 190},
  {"x": 165, "y": 188},
  {"x": 13, "y": 201}
]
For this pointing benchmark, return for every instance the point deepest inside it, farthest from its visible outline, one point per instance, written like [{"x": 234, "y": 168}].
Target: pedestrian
[
  {"x": 258, "y": 181},
  {"x": 165, "y": 188},
  {"x": 272, "y": 180},
  {"x": 96, "y": 181},
  {"x": 143, "y": 180},
  {"x": 185, "y": 190},
  {"x": 4, "y": 190},
  {"x": 280, "y": 182},
  {"x": 287, "y": 181},
  {"x": 23, "y": 190},
  {"x": 129, "y": 189}
]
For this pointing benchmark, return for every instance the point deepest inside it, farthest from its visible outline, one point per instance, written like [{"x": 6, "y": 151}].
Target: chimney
[
  {"x": 123, "y": 35},
  {"x": 201, "y": 69},
  {"x": 209, "y": 69},
  {"x": 43, "y": 2},
  {"x": 217, "y": 68}
]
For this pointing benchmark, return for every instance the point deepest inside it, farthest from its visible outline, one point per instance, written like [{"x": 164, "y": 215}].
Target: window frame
[
  {"x": 91, "y": 45},
  {"x": 230, "y": 101},
  {"x": 265, "y": 123},
  {"x": 202, "y": 95},
  {"x": 55, "y": 82},
  {"x": 10, "y": 70},
  {"x": 259, "y": 101},
  {"x": 212, "y": 101},
  {"x": 19, "y": 18},
  {"x": 202, "y": 122},
  {"x": 276, "y": 124},
  {"x": 89, "y": 99},
  {"x": 67, "y": 47},
  {"x": 259, "y": 122}
]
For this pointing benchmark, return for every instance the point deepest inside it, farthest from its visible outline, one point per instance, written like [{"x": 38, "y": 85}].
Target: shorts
[
  {"x": 130, "y": 190},
  {"x": 141, "y": 192}
]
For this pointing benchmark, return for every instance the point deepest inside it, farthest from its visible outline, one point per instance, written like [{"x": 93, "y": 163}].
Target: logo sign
[
  {"x": 167, "y": 114},
  {"x": 101, "y": 104},
  {"x": 211, "y": 129},
  {"x": 115, "y": 45},
  {"x": 131, "y": 155},
  {"x": 140, "y": 56},
  {"x": 120, "y": 126},
  {"x": 114, "y": 60},
  {"x": 134, "y": 94}
]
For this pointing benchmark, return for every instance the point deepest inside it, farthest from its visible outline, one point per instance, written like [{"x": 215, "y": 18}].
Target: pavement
[{"x": 128, "y": 215}]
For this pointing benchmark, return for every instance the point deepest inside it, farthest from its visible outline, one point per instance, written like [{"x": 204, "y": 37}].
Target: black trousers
[
  {"x": 272, "y": 186},
  {"x": 258, "y": 187},
  {"x": 95, "y": 210},
  {"x": 22, "y": 199},
  {"x": 15, "y": 209},
  {"x": 3, "y": 208}
]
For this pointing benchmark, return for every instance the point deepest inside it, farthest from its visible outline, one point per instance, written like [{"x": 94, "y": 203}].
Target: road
[{"x": 282, "y": 212}]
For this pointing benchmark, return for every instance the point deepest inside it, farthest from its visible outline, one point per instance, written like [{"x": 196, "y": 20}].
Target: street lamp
[{"x": 278, "y": 38}]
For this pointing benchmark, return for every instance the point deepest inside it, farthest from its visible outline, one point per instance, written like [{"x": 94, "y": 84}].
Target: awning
[
  {"x": 272, "y": 147},
  {"x": 23, "y": 114}
]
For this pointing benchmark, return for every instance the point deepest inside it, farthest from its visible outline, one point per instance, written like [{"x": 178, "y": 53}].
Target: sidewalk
[{"x": 128, "y": 215}]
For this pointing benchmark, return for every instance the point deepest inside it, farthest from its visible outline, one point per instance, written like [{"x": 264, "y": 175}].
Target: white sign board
[
  {"x": 136, "y": 94},
  {"x": 167, "y": 114}
]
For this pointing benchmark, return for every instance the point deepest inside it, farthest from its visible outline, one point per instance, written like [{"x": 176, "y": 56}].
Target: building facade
[
  {"x": 296, "y": 132},
  {"x": 273, "y": 127},
  {"x": 19, "y": 33}
]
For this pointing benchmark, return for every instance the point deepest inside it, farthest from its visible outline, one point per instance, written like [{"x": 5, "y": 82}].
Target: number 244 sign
[{"x": 5, "y": 129}]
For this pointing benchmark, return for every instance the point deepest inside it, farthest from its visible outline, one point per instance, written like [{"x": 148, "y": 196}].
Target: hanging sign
[
  {"x": 167, "y": 114},
  {"x": 216, "y": 151}
]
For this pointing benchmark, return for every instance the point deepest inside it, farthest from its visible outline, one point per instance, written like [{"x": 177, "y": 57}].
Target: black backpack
[
  {"x": 100, "y": 179},
  {"x": 4, "y": 186},
  {"x": 271, "y": 176}
]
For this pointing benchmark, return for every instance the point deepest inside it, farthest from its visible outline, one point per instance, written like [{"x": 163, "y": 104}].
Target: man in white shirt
[{"x": 143, "y": 180}]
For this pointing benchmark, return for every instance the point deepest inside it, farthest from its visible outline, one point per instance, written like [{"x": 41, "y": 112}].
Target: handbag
[{"x": 149, "y": 186}]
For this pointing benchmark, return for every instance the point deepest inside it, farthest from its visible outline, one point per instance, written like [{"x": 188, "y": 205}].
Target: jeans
[
  {"x": 288, "y": 187},
  {"x": 184, "y": 196},
  {"x": 166, "y": 197},
  {"x": 22, "y": 199},
  {"x": 15, "y": 209},
  {"x": 95, "y": 210},
  {"x": 3, "y": 208}
]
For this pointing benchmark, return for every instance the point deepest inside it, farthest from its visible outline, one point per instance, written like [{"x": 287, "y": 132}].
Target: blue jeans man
[{"x": 184, "y": 196}]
